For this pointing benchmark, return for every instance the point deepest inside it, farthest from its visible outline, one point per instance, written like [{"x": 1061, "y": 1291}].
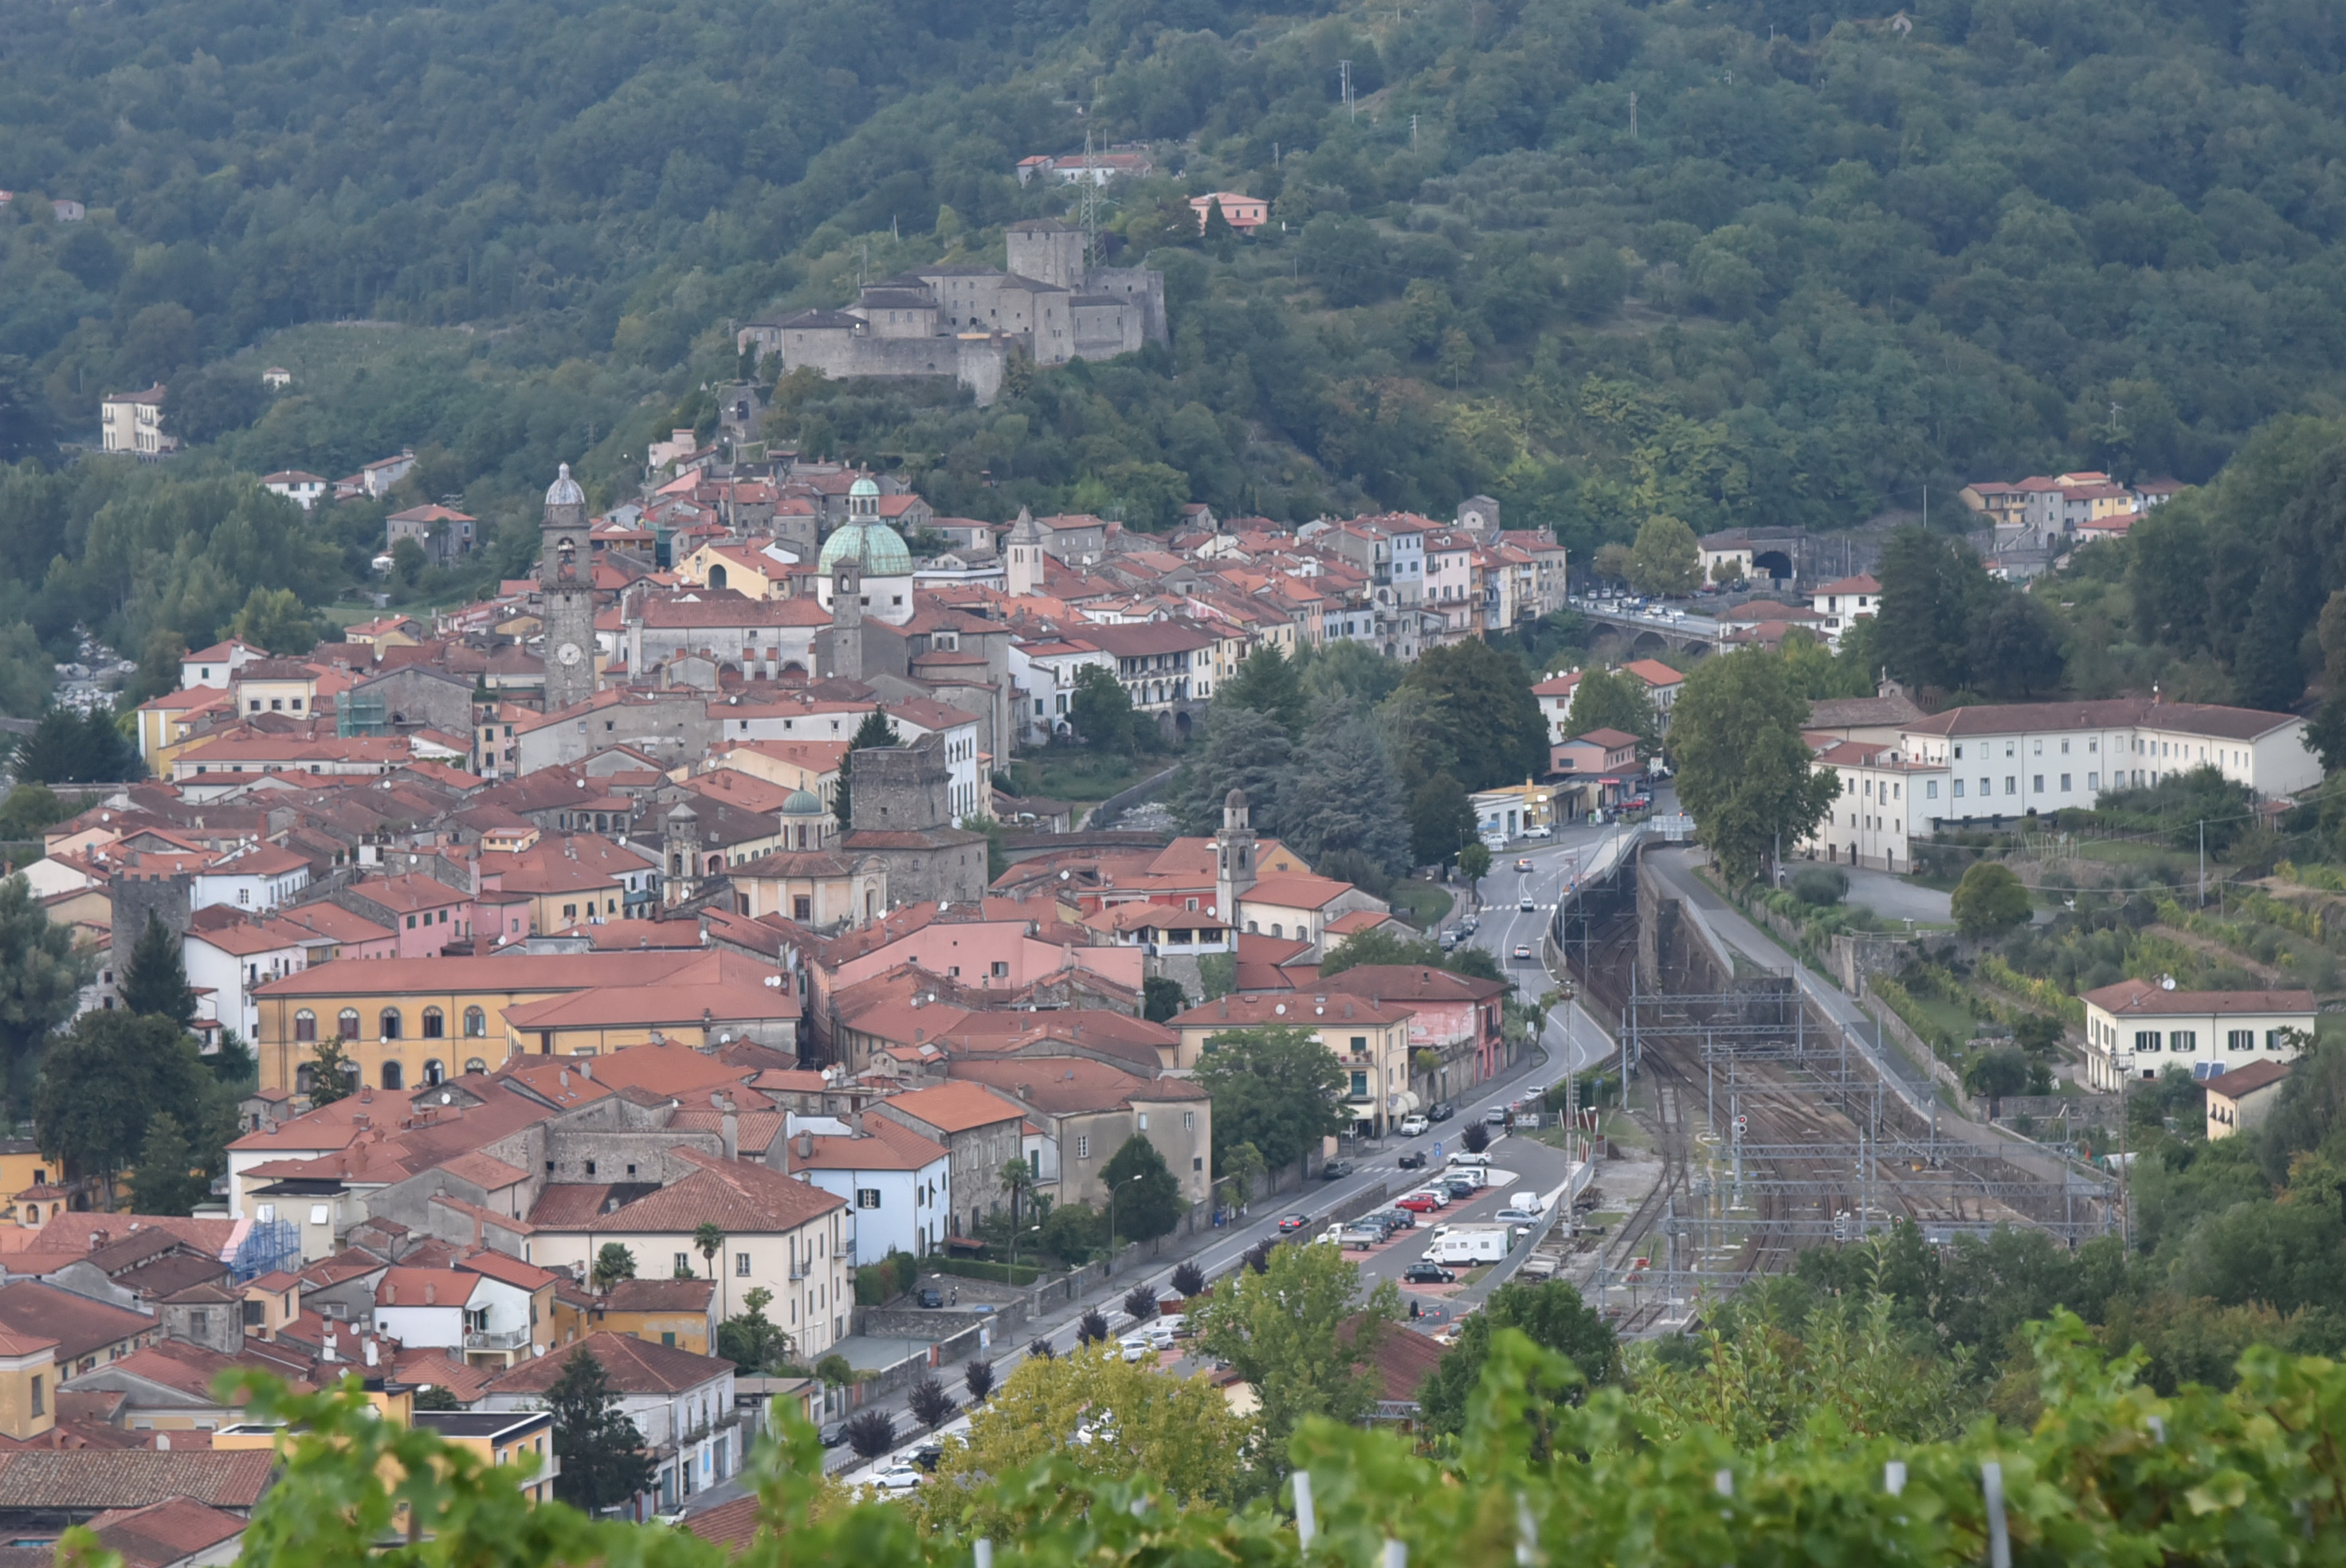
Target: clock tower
[{"x": 566, "y": 594}]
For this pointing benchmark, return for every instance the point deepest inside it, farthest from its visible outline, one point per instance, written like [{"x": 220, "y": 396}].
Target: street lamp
[{"x": 1031, "y": 1230}]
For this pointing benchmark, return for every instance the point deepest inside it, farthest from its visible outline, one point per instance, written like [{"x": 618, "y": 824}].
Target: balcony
[{"x": 496, "y": 1338}]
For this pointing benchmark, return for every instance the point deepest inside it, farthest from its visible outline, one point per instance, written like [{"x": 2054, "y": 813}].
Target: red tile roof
[{"x": 633, "y": 1366}]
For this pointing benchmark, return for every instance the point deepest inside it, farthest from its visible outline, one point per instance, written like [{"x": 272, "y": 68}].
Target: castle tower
[
  {"x": 1234, "y": 858},
  {"x": 1023, "y": 562},
  {"x": 566, "y": 576},
  {"x": 1047, "y": 250}
]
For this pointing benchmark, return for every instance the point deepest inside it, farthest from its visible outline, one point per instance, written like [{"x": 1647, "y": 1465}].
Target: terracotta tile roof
[
  {"x": 484, "y": 1170},
  {"x": 133, "y": 1477},
  {"x": 633, "y": 1366},
  {"x": 2110, "y": 713},
  {"x": 731, "y": 1524},
  {"x": 660, "y": 1296},
  {"x": 2140, "y": 998},
  {"x": 511, "y": 1270},
  {"x": 436, "y": 1369},
  {"x": 76, "y": 1323},
  {"x": 2247, "y": 1080},
  {"x": 952, "y": 1107},
  {"x": 885, "y": 1146},
  {"x": 164, "y": 1533},
  {"x": 402, "y": 1287},
  {"x": 742, "y": 1197}
]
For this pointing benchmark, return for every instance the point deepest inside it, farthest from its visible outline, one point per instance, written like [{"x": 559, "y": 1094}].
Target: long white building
[{"x": 1978, "y": 764}]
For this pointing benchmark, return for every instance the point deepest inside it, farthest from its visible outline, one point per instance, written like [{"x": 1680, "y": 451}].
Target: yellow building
[
  {"x": 679, "y": 1312},
  {"x": 24, "y": 1183},
  {"x": 1369, "y": 1040},
  {"x": 496, "y": 1437},
  {"x": 29, "y": 1385},
  {"x": 748, "y": 571},
  {"x": 409, "y": 1021}
]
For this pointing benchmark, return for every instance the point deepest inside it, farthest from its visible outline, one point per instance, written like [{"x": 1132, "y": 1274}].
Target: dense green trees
[
  {"x": 105, "y": 1081},
  {"x": 1148, "y": 1202},
  {"x": 1274, "y": 1088},
  {"x": 1947, "y": 626},
  {"x": 603, "y": 1462},
  {"x": 1744, "y": 771},
  {"x": 42, "y": 971}
]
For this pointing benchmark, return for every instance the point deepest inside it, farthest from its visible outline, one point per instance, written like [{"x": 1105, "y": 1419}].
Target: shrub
[
  {"x": 930, "y": 1404},
  {"x": 1140, "y": 1302},
  {"x": 1189, "y": 1279},
  {"x": 1091, "y": 1328},
  {"x": 1820, "y": 885},
  {"x": 870, "y": 1433},
  {"x": 978, "y": 1376}
]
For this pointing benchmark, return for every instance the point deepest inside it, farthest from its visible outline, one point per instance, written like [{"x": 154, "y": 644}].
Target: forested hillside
[{"x": 1738, "y": 262}]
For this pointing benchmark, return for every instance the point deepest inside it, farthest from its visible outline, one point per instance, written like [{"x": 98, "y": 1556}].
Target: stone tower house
[
  {"x": 567, "y": 591},
  {"x": 1047, "y": 250}
]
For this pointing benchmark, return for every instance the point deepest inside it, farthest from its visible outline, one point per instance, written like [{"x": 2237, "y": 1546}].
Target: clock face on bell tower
[{"x": 566, "y": 594}]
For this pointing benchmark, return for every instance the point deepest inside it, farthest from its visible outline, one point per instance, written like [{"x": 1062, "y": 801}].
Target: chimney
[
  {"x": 431, "y": 1295},
  {"x": 162, "y": 1442},
  {"x": 585, "y": 1065},
  {"x": 371, "y": 1353},
  {"x": 806, "y": 1146},
  {"x": 326, "y": 1352},
  {"x": 729, "y": 1127}
]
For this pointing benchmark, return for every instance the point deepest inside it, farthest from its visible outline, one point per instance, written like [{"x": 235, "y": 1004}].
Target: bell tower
[
  {"x": 1234, "y": 858},
  {"x": 566, "y": 576}
]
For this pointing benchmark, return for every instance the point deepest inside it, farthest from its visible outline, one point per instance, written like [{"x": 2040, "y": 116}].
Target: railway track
[{"x": 1691, "y": 1118}]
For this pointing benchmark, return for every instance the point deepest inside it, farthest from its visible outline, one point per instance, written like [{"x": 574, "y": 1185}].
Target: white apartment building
[
  {"x": 2136, "y": 1029},
  {"x": 1885, "y": 804}
]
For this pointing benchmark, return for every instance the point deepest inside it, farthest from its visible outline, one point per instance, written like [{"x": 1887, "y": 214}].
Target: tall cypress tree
[
  {"x": 873, "y": 732},
  {"x": 154, "y": 982},
  {"x": 602, "y": 1452}
]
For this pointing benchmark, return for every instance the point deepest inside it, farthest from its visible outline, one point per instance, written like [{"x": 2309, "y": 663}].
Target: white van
[
  {"x": 1528, "y": 1200},
  {"x": 1470, "y": 1243}
]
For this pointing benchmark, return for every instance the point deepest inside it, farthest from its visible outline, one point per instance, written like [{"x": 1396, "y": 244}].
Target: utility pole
[
  {"x": 1633, "y": 116},
  {"x": 1413, "y": 133},
  {"x": 1344, "y": 73},
  {"x": 2203, "y": 862}
]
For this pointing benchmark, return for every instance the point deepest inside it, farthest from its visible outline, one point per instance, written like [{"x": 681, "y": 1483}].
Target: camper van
[{"x": 1470, "y": 1243}]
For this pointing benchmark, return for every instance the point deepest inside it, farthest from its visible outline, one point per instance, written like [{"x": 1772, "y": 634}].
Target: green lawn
[
  {"x": 1951, "y": 1017},
  {"x": 1423, "y": 904},
  {"x": 1079, "y": 776}
]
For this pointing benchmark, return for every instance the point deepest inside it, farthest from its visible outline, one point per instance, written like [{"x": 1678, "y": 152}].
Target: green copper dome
[
  {"x": 877, "y": 546},
  {"x": 803, "y": 803}
]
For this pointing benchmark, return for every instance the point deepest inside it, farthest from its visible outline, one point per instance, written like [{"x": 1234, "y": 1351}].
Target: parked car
[
  {"x": 1452, "y": 937},
  {"x": 1542, "y": 831},
  {"x": 1523, "y": 952},
  {"x": 930, "y": 1298},
  {"x": 1427, "y": 1274},
  {"x": 1458, "y": 1189},
  {"x": 927, "y": 1457},
  {"x": 1135, "y": 1346},
  {"x": 1336, "y": 1170},
  {"x": 1395, "y": 1219},
  {"x": 1518, "y": 1217},
  {"x": 1292, "y": 1223},
  {"x": 1414, "y": 1161},
  {"x": 897, "y": 1477},
  {"x": 1415, "y": 1126},
  {"x": 1471, "y": 924},
  {"x": 1422, "y": 1202},
  {"x": 832, "y": 1434},
  {"x": 1443, "y": 1111}
]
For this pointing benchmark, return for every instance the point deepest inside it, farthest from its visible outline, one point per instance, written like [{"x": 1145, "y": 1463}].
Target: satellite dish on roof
[{"x": 2167, "y": 982}]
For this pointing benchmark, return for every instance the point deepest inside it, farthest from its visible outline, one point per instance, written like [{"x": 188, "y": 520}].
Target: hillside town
[{"x": 656, "y": 942}]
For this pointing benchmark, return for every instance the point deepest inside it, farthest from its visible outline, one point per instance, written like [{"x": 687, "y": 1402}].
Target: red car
[
  {"x": 1419, "y": 1202},
  {"x": 1293, "y": 1222}
]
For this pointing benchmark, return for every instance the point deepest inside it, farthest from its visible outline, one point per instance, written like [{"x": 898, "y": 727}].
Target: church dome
[
  {"x": 803, "y": 803},
  {"x": 864, "y": 486},
  {"x": 878, "y": 547},
  {"x": 564, "y": 491}
]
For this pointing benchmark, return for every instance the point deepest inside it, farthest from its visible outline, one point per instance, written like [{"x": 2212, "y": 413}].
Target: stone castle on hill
[{"x": 966, "y": 321}]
